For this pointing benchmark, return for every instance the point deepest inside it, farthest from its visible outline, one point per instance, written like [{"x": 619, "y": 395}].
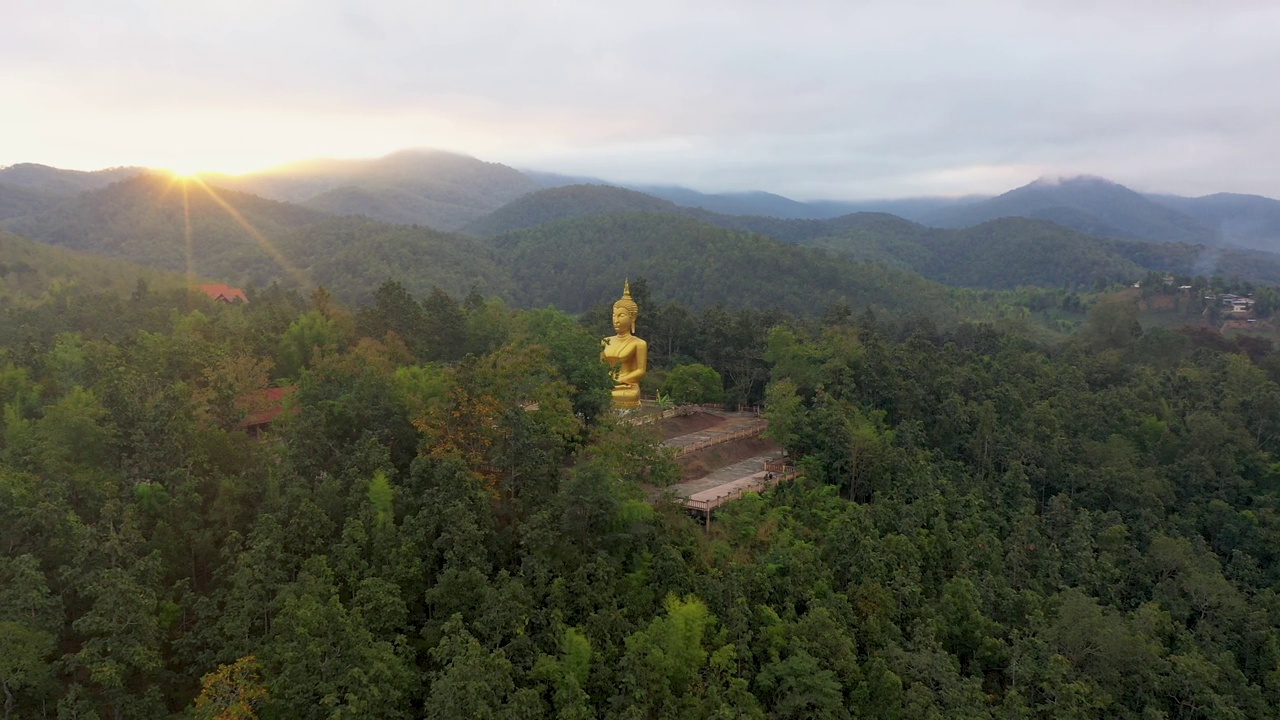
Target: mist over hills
[
  {"x": 1245, "y": 220},
  {"x": 766, "y": 204},
  {"x": 430, "y": 187},
  {"x": 1088, "y": 204}
]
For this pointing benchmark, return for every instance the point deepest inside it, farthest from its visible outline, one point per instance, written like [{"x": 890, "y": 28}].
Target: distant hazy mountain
[
  {"x": 1245, "y": 220},
  {"x": 565, "y": 202},
  {"x": 439, "y": 189},
  {"x": 63, "y": 182},
  {"x": 915, "y": 209},
  {"x": 555, "y": 180},
  {"x": 765, "y": 204},
  {"x": 1000, "y": 254},
  {"x": 570, "y": 201},
  {"x": 142, "y": 220},
  {"x": 28, "y": 188},
  {"x": 1010, "y": 252},
  {"x": 747, "y": 203},
  {"x": 18, "y": 200},
  {"x": 1092, "y": 205}
]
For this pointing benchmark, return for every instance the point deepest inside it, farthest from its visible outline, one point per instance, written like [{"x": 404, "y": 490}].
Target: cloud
[{"x": 813, "y": 99}]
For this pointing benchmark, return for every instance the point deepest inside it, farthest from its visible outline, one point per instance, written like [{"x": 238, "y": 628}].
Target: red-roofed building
[
  {"x": 224, "y": 293},
  {"x": 264, "y": 407}
]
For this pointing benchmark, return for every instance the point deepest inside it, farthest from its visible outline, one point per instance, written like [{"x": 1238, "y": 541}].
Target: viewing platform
[{"x": 727, "y": 482}]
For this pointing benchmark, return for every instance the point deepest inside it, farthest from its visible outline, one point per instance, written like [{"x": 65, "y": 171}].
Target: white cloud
[{"x": 805, "y": 98}]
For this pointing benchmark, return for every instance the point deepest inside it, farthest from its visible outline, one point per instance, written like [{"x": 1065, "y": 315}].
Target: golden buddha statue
[{"x": 626, "y": 354}]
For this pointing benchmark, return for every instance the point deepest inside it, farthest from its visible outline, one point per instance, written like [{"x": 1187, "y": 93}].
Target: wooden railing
[
  {"x": 706, "y": 506},
  {"x": 702, "y": 445}
]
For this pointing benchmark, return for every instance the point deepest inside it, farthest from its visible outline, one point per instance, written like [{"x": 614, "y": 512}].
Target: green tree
[{"x": 694, "y": 383}]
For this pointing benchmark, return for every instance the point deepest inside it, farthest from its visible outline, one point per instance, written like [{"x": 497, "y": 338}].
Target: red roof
[
  {"x": 225, "y": 293},
  {"x": 269, "y": 404}
]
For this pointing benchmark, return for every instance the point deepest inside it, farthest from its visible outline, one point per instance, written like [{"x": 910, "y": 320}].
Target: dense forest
[{"x": 447, "y": 522}]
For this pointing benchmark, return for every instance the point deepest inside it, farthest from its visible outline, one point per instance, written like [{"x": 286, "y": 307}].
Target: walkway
[
  {"x": 731, "y": 482},
  {"x": 725, "y": 476},
  {"x": 735, "y": 425}
]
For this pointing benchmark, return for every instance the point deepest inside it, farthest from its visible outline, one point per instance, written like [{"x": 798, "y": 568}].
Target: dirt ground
[
  {"x": 698, "y": 464},
  {"x": 685, "y": 424}
]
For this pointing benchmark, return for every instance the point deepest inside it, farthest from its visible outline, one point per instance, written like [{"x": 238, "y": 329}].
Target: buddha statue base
[{"x": 626, "y": 397}]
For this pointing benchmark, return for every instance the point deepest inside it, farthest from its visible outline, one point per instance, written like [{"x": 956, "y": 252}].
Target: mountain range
[
  {"x": 447, "y": 220},
  {"x": 449, "y": 191}
]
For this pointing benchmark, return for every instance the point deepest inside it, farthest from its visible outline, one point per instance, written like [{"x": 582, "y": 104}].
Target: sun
[{"x": 183, "y": 172}]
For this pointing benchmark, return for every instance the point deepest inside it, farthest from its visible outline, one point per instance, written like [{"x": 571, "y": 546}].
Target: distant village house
[
  {"x": 224, "y": 293},
  {"x": 264, "y": 406}
]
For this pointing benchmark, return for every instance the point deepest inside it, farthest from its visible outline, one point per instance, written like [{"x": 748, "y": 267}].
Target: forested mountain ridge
[
  {"x": 1011, "y": 252},
  {"x": 352, "y": 256},
  {"x": 577, "y": 200},
  {"x": 144, "y": 220},
  {"x": 28, "y": 188},
  {"x": 572, "y": 264},
  {"x": 31, "y": 272},
  {"x": 17, "y": 200},
  {"x": 441, "y": 189},
  {"x": 563, "y": 203},
  {"x": 63, "y": 182},
  {"x": 766, "y": 204},
  {"x": 998, "y": 254}
]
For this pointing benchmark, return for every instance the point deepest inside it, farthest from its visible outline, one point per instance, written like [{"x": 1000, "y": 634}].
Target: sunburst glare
[{"x": 294, "y": 274}]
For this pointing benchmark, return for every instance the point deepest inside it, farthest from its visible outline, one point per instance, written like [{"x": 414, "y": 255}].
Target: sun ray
[
  {"x": 176, "y": 178},
  {"x": 294, "y": 274},
  {"x": 186, "y": 231}
]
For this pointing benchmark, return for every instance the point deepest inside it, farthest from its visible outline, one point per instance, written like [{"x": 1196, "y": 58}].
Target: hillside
[
  {"x": 1011, "y": 252},
  {"x": 1001, "y": 254},
  {"x": 1246, "y": 220},
  {"x": 30, "y": 272},
  {"x": 142, "y": 220},
  {"x": 563, "y": 203},
  {"x": 63, "y": 182},
  {"x": 18, "y": 200},
  {"x": 1092, "y": 205},
  {"x": 571, "y": 201},
  {"x": 440, "y": 189},
  {"x": 573, "y": 264},
  {"x": 353, "y": 256}
]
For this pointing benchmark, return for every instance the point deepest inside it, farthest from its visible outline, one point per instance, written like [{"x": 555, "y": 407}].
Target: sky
[{"x": 850, "y": 99}]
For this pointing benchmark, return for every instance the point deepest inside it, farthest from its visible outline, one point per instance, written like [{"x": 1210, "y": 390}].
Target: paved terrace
[
  {"x": 735, "y": 425},
  {"x": 730, "y": 482}
]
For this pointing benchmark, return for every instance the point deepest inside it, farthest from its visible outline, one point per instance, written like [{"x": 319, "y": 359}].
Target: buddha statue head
[{"x": 625, "y": 311}]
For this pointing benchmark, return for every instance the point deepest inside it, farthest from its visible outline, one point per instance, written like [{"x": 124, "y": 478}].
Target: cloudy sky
[{"x": 811, "y": 99}]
